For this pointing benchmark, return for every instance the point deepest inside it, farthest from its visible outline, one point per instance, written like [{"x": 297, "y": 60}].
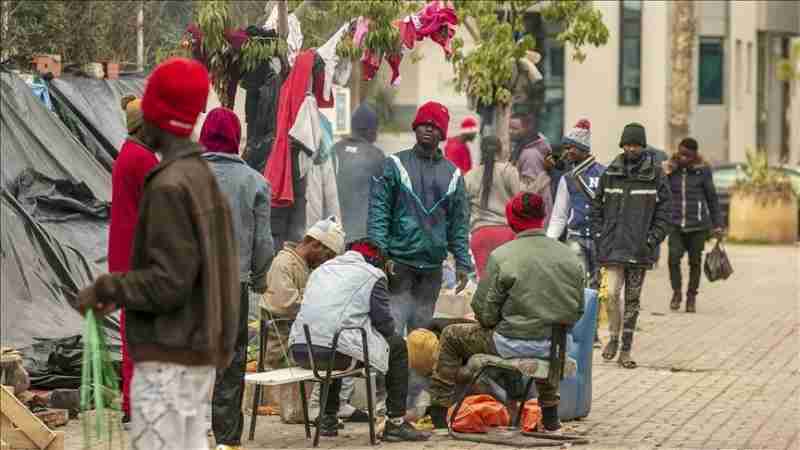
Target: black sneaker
[
  {"x": 403, "y": 433},
  {"x": 358, "y": 416},
  {"x": 329, "y": 426},
  {"x": 550, "y": 421},
  {"x": 438, "y": 417}
]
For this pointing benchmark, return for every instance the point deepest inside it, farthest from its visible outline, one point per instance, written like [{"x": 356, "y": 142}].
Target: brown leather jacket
[{"x": 182, "y": 292}]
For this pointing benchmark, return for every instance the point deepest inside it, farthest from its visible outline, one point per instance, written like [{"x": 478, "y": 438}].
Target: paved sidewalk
[{"x": 725, "y": 377}]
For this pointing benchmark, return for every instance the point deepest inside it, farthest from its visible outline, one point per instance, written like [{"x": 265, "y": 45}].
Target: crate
[{"x": 43, "y": 64}]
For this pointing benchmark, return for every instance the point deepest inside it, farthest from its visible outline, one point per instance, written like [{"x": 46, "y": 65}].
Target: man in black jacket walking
[
  {"x": 630, "y": 218},
  {"x": 695, "y": 211}
]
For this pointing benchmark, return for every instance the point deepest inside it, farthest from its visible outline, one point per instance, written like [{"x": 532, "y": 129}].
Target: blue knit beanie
[{"x": 364, "y": 118}]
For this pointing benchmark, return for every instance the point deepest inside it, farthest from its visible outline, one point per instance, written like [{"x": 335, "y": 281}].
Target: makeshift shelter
[
  {"x": 54, "y": 204},
  {"x": 90, "y": 108}
]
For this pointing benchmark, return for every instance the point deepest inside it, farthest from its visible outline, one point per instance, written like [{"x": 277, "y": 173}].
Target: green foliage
[
  {"x": 789, "y": 68},
  {"x": 99, "y": 390},
  {"x": 485, "y": 72},
  {"x": 760, "y": 178}
]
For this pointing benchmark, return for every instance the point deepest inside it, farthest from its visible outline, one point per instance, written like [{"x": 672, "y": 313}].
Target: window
[
  {"x": 738, "y": 74},
  {"x": 710, "y": 81},
  {"x": 749, "y": 86},
  {"x": 630, "y": 52}
]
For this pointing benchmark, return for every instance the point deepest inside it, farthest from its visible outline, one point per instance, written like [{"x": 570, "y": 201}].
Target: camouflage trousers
[
  {"x": 456, "y": 345},
  {"x": 277, "y": 354},
  {"x": 633, "y": 279}
]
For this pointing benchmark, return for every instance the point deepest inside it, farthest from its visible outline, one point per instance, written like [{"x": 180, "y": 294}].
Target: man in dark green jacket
[
  {"x": 532, "y": 283},
  {"x": 418, "y": 211}
]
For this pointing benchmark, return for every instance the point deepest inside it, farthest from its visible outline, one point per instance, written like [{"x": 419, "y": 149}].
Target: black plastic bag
[{"x": 717, "y": 265}]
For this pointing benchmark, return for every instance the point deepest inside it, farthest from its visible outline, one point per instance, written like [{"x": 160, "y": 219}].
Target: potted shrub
[{"x": 764, "y": 206}]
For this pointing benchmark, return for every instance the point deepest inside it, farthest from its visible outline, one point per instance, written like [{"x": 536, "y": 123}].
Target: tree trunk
[
  {"x": 502, "y": 117},
  {"x": 140, "y": 38},
  {"x": 683, "y": 37}
]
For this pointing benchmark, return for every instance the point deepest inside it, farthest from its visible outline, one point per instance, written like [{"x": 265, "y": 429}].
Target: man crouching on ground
[
  {"x": 286, "y": 284},
  {"x": 532, "y": 283},
  {"x": 351, "y": 291},
  {"x": 181, "y": 295}
]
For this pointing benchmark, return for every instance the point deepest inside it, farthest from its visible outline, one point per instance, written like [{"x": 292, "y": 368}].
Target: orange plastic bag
[
  {"x": 478, "y": 413},
  {"x": 531, "y": 415}
]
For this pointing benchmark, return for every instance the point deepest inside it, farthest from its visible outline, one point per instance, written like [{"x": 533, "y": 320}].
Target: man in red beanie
[
  {"x": 533, "y": 282},
  {"x": 456, "y": 149},
  {"x": 181, "y": 295},
  {"x": 417, "y": 213}
]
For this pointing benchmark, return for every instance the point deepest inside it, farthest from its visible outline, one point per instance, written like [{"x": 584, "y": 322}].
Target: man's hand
[
  {"x": 462, "y": 278},
  {"x": 87, "y": 299},
  {"x": 549, "y": 162},
  {"x": 390, "y": 267}
]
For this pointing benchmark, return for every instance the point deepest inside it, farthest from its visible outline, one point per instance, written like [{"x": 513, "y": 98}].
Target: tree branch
[{"x": 473, "y": 31}]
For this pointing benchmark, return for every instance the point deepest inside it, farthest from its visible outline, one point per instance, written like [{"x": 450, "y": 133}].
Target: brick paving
[{"x": 726, "y": 377}]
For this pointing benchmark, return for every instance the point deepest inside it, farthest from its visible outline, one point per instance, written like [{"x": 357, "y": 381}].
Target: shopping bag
[
  {"x": 478, "y": 413},
  {"x": 717, "y": 265}
]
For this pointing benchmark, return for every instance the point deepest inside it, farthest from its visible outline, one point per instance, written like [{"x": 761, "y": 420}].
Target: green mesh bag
[{"x": 101, "y": 412}]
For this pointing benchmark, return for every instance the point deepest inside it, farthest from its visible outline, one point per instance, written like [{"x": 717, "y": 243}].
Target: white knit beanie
[
  {"x": 580, "y": 136},
  {"x": 330, "y": 233}
]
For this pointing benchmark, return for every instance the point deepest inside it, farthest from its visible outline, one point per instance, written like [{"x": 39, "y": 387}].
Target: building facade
[{"x": 736, "y": 101}]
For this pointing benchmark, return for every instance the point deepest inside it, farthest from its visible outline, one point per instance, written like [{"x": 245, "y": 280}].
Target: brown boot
[
  {"x": 677, "y": 298},
  {"x": 691, "y": 297}
]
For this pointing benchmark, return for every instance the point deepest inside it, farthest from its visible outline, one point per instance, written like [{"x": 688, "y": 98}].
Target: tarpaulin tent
[
  {"x": 91, "y": 109},
  {"x": 54, "y": 203}
]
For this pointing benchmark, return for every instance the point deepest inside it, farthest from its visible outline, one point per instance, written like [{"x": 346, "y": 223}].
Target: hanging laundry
[
  {"x": 362, "y": 28},
  {"x": 295, "y": 38},
  {"x": 437, "y": 20},
  {"x": 279, "y": 166},
  {"x": 337, "y": 70},
  {"x": 370, "y": 63}
]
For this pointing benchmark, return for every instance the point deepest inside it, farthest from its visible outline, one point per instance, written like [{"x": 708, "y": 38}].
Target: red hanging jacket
[{"x": 279, "y": 166}]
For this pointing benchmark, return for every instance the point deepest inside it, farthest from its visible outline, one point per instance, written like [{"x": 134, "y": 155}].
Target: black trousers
[
  {"x": 227, "y": 420},
  {"x": 396, "y": 376},
  {"x": 693, "y": 243}
]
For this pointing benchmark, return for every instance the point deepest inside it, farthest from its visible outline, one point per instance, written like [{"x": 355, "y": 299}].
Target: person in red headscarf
[
  {"x": 533, "y": 282},
  {"x": 456, "y": 150},
  {"x": 134, "y": 161},
  {"x": 248, "y": 195}
]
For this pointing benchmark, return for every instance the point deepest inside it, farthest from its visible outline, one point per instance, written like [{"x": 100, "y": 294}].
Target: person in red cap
[
  {"x": 418, "y": 212},
  {"x": 456, "y": 149},
  {"x": 181, "y": 295},
  {"x": 532, "y": 283}
]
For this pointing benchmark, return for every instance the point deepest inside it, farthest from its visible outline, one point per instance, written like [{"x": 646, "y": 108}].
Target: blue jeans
[{"x": 585, "y": 250}]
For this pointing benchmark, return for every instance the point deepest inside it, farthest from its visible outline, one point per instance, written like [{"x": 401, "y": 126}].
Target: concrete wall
[
  {"x": 779, "y": 16},
  {"x": 744, "y": 79},
  {"x": 794, "y": 118},
  {"x": 591, "y": 86},
  {"x": 431, "y": 79},
  {"x": 709, "y": 123}
]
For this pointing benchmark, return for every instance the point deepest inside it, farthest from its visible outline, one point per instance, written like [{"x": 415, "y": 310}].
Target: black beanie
[
  {"x": 689, "y": 143},
  {"x": 633, "y": 133}
]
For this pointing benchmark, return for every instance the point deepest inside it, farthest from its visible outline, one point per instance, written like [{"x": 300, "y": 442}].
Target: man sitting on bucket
[
  {"x": 532, "y": 283},
  {"x": 351, "y": 291}
]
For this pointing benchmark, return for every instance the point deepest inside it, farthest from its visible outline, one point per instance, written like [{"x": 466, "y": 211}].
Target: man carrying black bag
[{"x": 695, "y": 212}]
